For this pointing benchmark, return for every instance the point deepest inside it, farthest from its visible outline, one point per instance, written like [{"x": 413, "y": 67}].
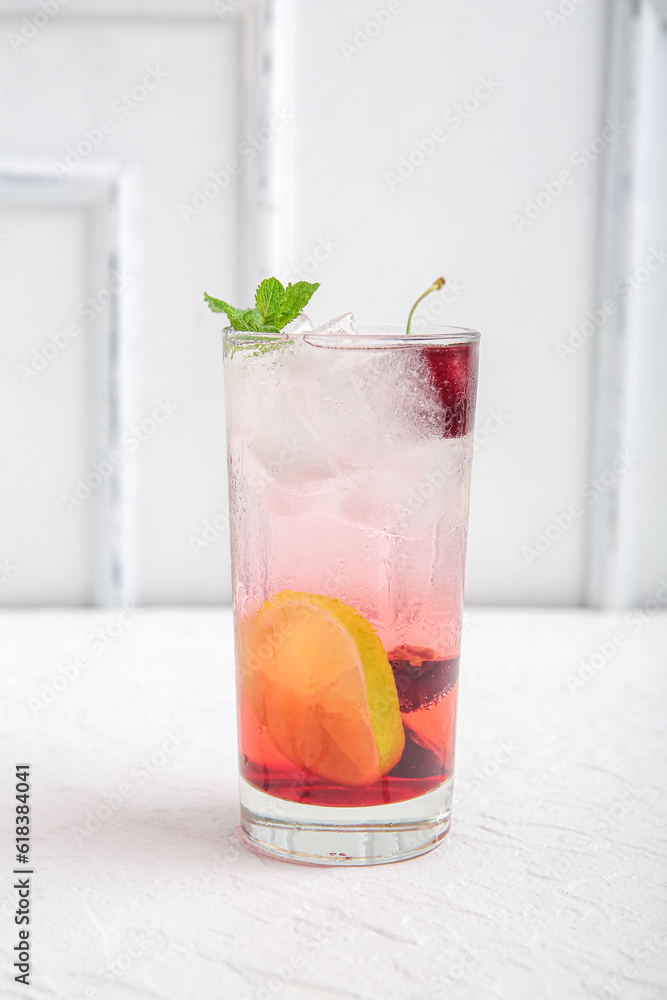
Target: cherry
[
  {"x": 450, "y": 370},
  {"x": 421, "y": 679}
]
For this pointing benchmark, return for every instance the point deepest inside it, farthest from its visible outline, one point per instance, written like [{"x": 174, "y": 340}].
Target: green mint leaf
[
  {"x": 215, "y": 305},
  {"x": 296, "y": 298},
  {"x": 275, "y": 306},
  {"x": 235, "y": 316},
  {"x": 241, "y": 319},
  {"x": 269, "y": 299},
  {"x": 253, "y": 320}
]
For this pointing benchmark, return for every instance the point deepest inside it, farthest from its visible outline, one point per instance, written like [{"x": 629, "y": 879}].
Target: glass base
[{"x": 325, "y": 835}]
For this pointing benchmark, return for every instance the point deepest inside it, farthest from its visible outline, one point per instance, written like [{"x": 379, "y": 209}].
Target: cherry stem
[{"x": 434, "y": 288}]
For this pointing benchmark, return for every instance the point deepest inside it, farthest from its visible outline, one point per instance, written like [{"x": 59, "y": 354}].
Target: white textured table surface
[{"x": 548, "y": 886}]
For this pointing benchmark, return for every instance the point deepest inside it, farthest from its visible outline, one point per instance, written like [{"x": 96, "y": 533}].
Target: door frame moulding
[
  {"x": 612, "y": 568},
  {"x": 108, "y": 196}
]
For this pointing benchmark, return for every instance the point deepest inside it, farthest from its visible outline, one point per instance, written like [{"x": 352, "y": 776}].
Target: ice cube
[
  {"x": 299, "y": 326},
  {"x": 405, "y": 494},
  {"x": 366, "y": 404},
  {"x": 344, "y": 325},
  {"x": 439, "y": 492},
  {"x": 287, "y": 445}
]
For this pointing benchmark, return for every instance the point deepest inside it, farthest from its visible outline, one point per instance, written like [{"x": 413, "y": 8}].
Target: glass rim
[{"x": 370, "y": 336}]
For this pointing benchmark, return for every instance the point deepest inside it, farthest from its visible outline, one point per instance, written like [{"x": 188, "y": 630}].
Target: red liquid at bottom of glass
[{"x": 427, "y": 696}]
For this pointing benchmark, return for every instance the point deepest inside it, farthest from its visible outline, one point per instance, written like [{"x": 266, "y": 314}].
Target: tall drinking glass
[{"x": 349, "y": 463}]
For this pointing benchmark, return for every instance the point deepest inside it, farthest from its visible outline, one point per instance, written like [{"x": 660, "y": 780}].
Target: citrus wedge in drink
[{"x": 320, "y": 684}]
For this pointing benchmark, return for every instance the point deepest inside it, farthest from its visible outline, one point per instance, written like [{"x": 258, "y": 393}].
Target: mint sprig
[{"x": 275, "y": 306}]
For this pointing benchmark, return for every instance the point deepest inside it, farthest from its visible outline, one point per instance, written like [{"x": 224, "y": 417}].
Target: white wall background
[{"x": 357, "y": 96}]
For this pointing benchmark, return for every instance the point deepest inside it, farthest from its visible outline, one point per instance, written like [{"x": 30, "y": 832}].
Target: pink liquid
[
  {"x": 427, "y": 697},
  {"x": 329, "y": 498}
]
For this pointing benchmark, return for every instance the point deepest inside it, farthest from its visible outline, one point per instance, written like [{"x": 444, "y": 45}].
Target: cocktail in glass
[{"x": 349, "y": 458}]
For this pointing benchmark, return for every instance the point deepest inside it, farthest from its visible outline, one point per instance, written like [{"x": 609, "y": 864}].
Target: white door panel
[
  {"x": 159, "y": 98},
  {"x": 45, "y": 431}
]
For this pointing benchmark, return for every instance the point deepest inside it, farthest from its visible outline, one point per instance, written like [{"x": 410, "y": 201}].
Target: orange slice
[{"x": 319, "y": 680}]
